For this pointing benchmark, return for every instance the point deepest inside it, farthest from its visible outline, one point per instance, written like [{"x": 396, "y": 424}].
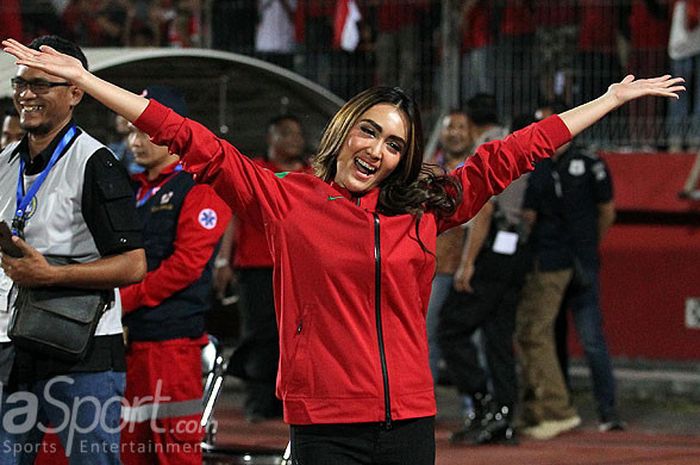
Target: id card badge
[
  {"x": 506, "y": 243},
  {"x": 5, "y": 287}
]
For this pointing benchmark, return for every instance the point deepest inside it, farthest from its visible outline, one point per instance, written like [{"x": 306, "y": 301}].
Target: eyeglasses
[{"x": 38, "y": 87}]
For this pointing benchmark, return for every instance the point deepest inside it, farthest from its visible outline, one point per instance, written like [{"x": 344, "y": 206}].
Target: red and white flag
[{"x": 346, "y": 33}]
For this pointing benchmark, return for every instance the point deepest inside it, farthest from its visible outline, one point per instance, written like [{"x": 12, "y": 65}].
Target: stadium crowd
[{"x": 522, "y": 62}]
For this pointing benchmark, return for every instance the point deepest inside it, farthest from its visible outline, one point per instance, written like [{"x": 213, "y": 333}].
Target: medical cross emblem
[{"x": 208, "y": 218}]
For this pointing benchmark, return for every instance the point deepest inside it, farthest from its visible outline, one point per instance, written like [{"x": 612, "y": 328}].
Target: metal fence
[{"x": 525, "y": 52}]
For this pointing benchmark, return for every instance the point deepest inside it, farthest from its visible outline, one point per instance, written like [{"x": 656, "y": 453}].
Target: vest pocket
[{"x": 118, "y": 194}]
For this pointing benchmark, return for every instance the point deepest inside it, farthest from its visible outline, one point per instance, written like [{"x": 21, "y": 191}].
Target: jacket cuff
[
  {"x": 555, "y": 130},
  {"x": 152, "y": 117},
  {"x": 129, "y": 299}
]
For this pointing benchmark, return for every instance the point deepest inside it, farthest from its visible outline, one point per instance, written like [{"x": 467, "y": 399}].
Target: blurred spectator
[
  {"x": 598, "y": 62},
  {"x": 649, "y": 24},
  {"x": 185, "y": 28},
  {"x": 39, "y": 17},
  {"x": 516, "y": 88},
  {"x": 485, "y": 293},
  {"x": 256, "y": 358},
  {"x": 569, "y": 202},
  {"x": 274, "y": 37},
  {"x": 455, "y": 144},
  {"x": 478, "y": 66},
  {"x": 110, "y": 17},
  {"x": 98, "y": 23},
  {"x": 547, "y": 410},
  {"x": 233, "y": 25},
  {"x": 141, "y": 36},
  {"x": 77, "y": 21},
  {"x": 119, "y": 145},
  {"x": 11, "y": 130},
  {"x": 683, "y": 117},
  {"x": 141, "y": 31},
  {"x": 11, "y": 19},
  {"x": 313, "y": 26},
  {"x": 555, "y": 41},
  {"x": 398, "y": 42}
]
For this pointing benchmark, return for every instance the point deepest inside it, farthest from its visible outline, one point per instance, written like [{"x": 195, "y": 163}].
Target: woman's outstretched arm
[
  {"x": 581, "y": 117},
  {"x": 119, "y": 100},
  {"x": 496, "y": 164},
  {"x": 240, "y": 182}
]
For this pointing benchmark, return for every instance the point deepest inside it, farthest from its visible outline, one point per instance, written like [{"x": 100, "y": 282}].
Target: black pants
[
  {"x": 406, "y": 442},
  {"x": 497, "y": 282},
  {"x": 256, "y": 357}
]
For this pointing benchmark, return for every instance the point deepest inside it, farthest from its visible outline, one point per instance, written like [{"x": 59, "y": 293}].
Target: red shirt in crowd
[
  {"x": 646, "y": 30},
  {"x": 476, "y": 32},
  {"x": 598, "y": 27}
]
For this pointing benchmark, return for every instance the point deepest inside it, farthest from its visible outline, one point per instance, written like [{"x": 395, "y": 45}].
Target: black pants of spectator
[
  {"x": 405, "y": 442},
  {"x": 256, "y": 357},
  {"x": 497, "y": 282}
]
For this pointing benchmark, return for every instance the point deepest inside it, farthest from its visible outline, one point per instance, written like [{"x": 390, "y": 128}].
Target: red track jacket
[{"x": 351, "y": 285}]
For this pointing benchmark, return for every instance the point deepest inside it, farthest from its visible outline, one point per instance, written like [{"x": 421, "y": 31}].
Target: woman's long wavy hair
[{"x": 411, "y": 187}]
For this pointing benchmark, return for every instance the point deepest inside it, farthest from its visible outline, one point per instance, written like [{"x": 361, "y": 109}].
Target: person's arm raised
[
  {"x": 214, "y": 161},
  {"x": 119, "y": 100},
  {"x": 581, "y": 117}
]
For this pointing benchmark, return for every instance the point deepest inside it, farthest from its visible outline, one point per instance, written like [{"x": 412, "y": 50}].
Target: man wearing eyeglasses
[{"x": 68, "y": 198}]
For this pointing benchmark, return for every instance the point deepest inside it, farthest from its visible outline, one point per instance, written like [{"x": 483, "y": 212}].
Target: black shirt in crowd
[{"x": 566, "y": 194}]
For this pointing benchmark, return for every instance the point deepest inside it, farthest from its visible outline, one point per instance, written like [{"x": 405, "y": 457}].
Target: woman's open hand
[
  {"x": 630, "y": 88},
  {"x": 46, "y": 59}
]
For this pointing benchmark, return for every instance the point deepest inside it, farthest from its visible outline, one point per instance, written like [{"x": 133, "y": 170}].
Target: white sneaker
[{"x": 549, "y": 429}]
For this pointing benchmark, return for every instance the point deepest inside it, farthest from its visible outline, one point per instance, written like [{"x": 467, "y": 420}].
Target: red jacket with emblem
[
  {"x": 251, "y": 249},
  {"x": 351, "y": 285}
]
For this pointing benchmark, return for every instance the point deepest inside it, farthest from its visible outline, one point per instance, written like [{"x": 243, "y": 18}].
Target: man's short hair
[
  {"x": 274, "y": 122},
  {"x": 60, "y": 45},
  {"x": 482, "y": 109},
  {"x": 456, "y": 111}
]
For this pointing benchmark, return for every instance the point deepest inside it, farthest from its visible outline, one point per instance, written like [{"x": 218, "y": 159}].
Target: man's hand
[
  {"x": 222, "y": 277},
  {"x": 462, "y": 278},
  {"x": 31, "y": 270}
]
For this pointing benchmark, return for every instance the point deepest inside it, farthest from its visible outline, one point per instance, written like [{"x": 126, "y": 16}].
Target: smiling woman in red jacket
[{"x": 353, "y": 251}]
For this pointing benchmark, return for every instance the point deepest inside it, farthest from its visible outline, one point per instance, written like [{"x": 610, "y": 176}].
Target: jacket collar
[
  {"x": 143, "y": 181},
  {"x": 367, "y": 201},
  {"x": 38, "y": 163}
]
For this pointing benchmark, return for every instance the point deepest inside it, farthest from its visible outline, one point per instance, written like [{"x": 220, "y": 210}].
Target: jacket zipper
[{"x": 378, "y": 315}]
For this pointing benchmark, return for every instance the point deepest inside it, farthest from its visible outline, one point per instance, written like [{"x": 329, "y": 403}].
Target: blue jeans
[
  {"x": 588, "y": 321},
  {"x": 83, "y": 408},
  {"x": 442, "y": 283},
  {"x": 683, "y": 115}
]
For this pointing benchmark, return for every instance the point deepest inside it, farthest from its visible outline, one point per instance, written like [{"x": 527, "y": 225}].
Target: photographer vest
[{"x": 55, "y": 225}]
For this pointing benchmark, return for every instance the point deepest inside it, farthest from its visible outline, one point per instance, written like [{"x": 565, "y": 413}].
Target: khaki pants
[{"x": 545, "y": 395}]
